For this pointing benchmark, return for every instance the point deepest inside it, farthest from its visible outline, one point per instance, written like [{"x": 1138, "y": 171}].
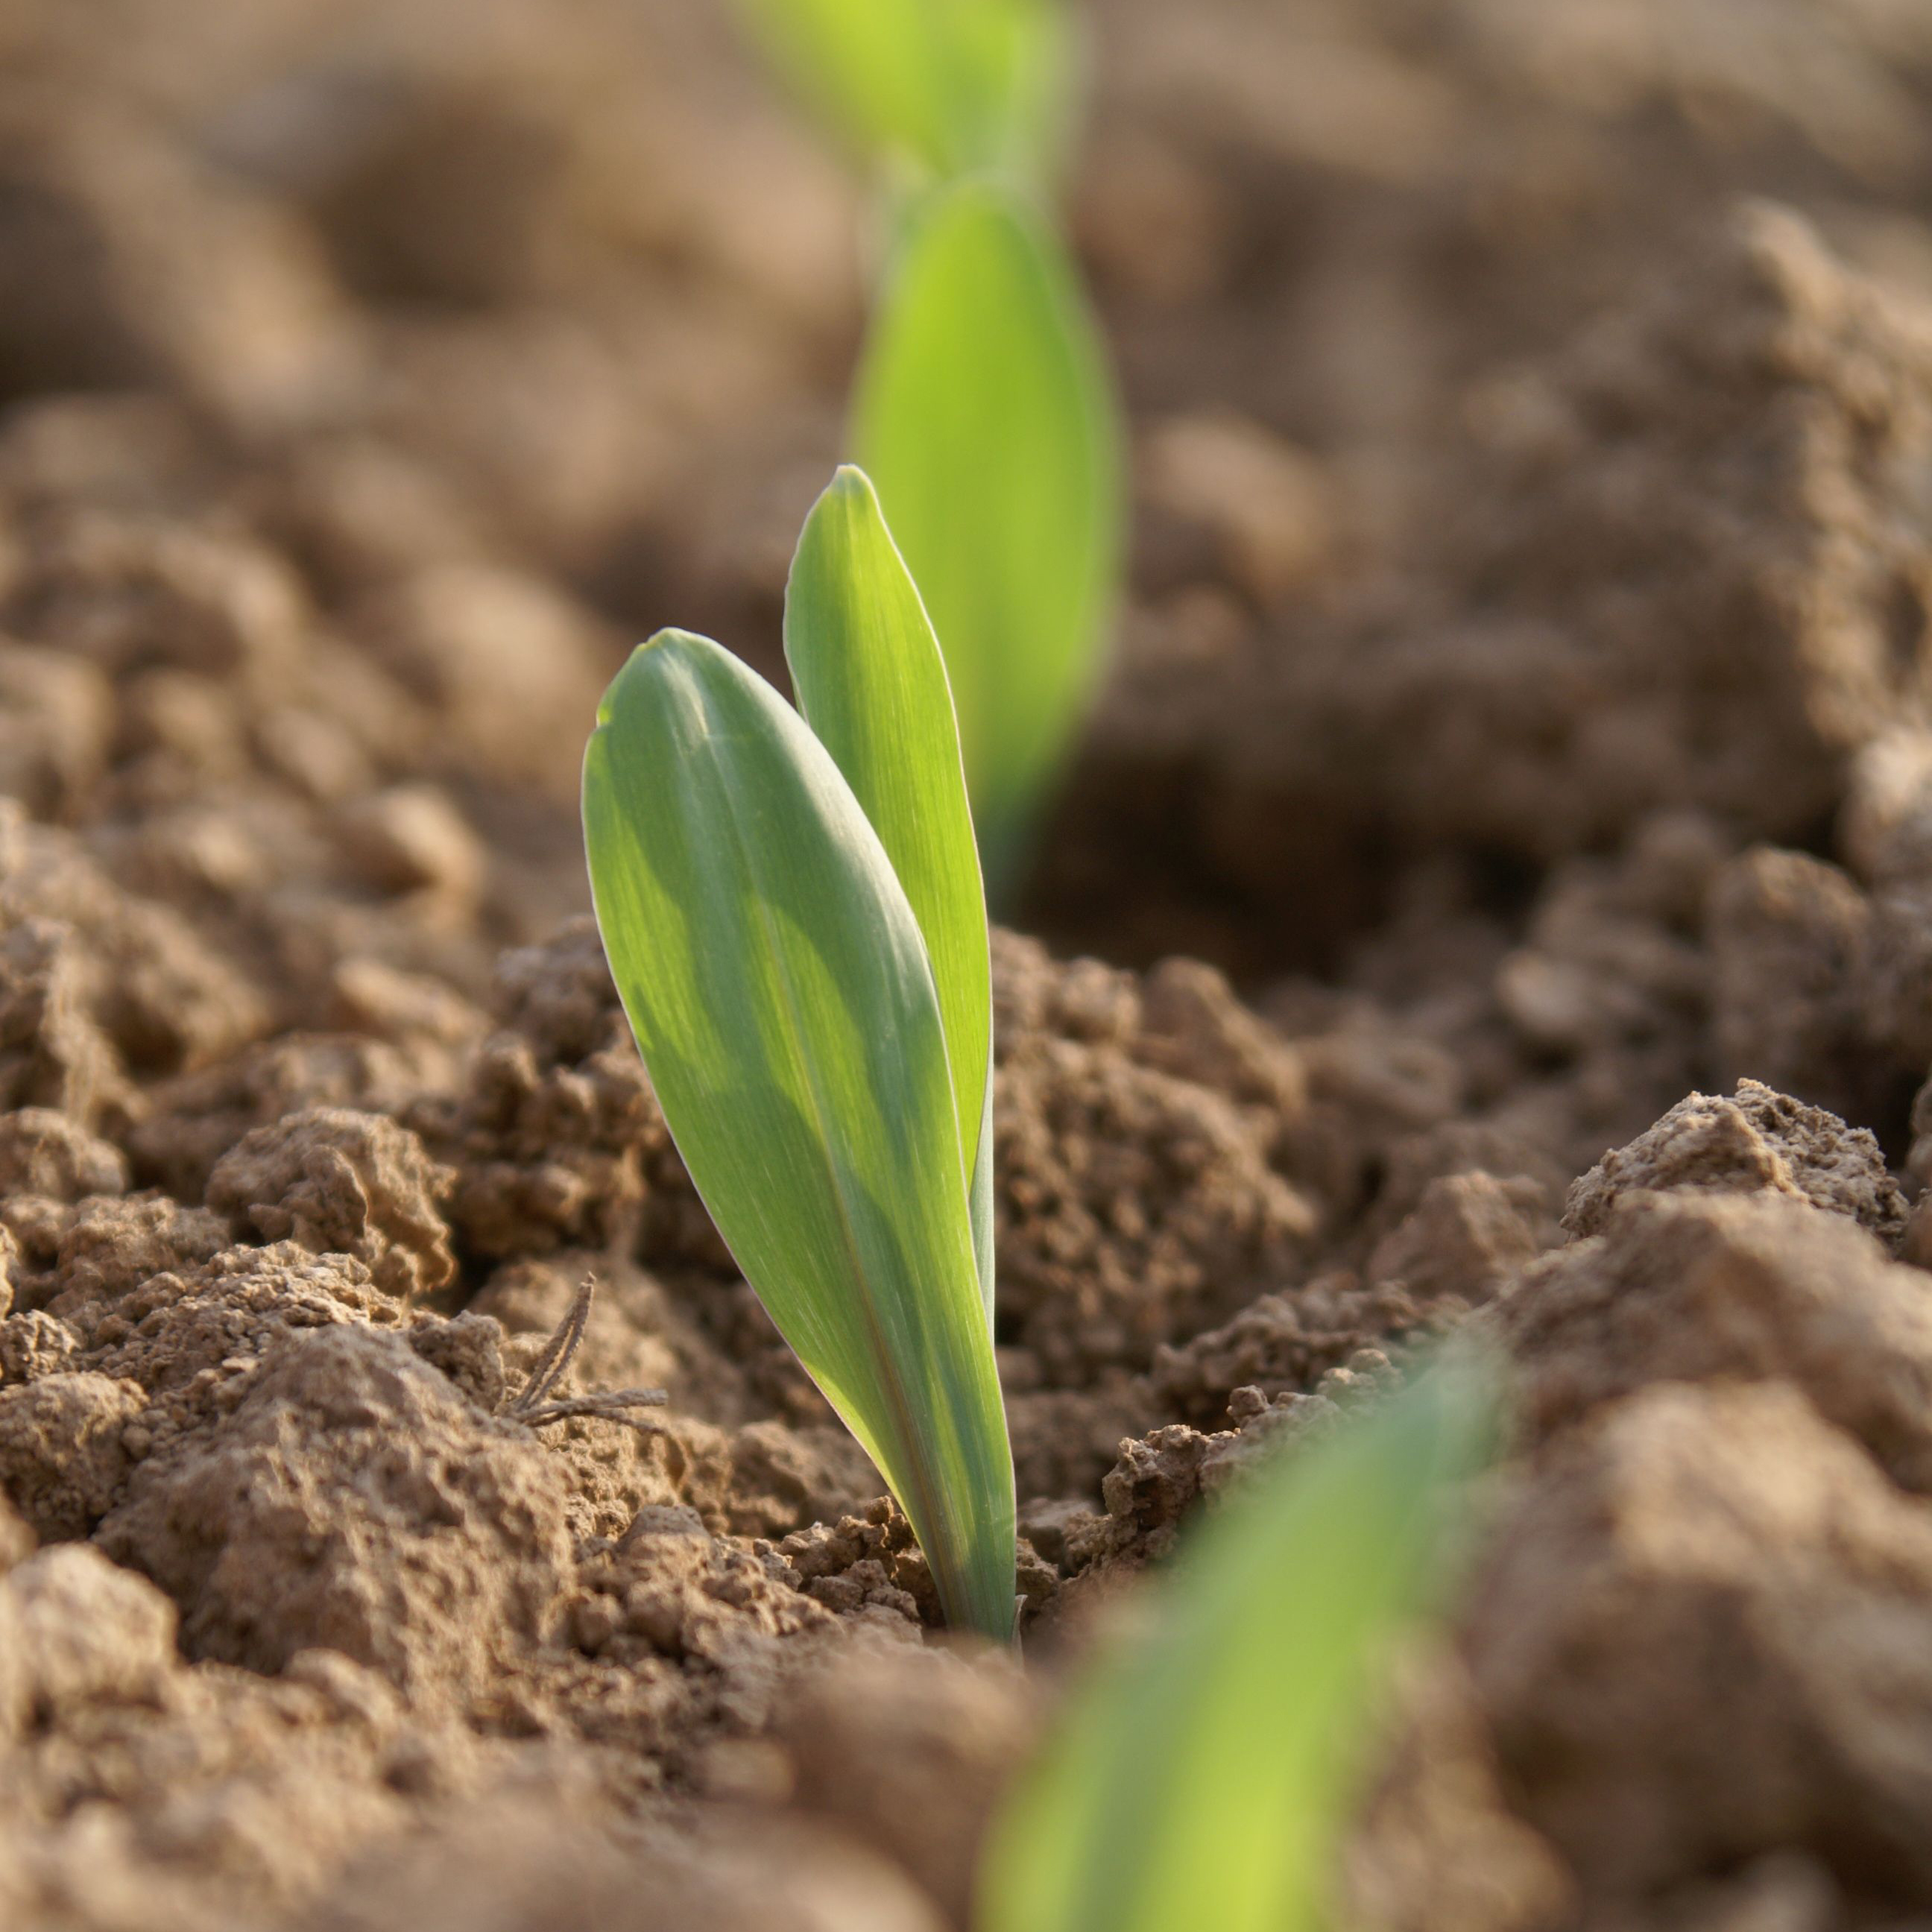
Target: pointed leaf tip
[{"x": 871, "y": 680}]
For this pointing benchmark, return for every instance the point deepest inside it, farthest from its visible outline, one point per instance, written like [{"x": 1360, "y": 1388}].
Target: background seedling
[
  {"x": 983, "y": 409},
  {"x": 1202, "y": 1773},
  {"x": 797, "y": 926},
  {"x": 983, "y": 413}
]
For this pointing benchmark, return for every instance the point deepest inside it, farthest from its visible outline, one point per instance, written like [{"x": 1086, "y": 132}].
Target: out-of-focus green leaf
[
  {"x": 869, "y": 678},
  {"x": 943, "y": 86},
  {"x": 1201, "y": 1775},
  {"x": 779, "y": 988},
  {"x": 984, "y": 416}
]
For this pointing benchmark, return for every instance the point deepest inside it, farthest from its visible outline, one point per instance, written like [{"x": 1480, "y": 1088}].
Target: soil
[{"x": 1509, "y": 825}]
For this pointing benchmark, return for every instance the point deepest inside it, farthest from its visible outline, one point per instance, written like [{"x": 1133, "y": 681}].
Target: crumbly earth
[{"x": 1509, "y": 825}]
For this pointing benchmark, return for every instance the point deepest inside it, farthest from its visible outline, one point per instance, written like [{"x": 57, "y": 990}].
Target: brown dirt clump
[
  {"x": 908, "y": 1757},
  {"x": 347, "y": 1443},
  {"x": 1683, "y": 1287},
  {"x": 61, "y": 1447},
  {"x": 553, "y": 1135},
  {"x": 336, "y": 1182},
  {"x": 1136, "y": 1201},
  {"x": 1698, "y": 1644},
  {"x": 1757, "y": 1141}
]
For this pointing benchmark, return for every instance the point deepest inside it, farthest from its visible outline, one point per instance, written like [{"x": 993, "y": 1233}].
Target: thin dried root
[
  {"x": 613, "y": 1406},
  {"x": 534, "y": 1404}
]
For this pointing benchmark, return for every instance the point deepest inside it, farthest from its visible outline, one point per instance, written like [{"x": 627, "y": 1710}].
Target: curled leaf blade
[
  {"x": 870, "y": 679},
  {"x": 780, "y": 991}
]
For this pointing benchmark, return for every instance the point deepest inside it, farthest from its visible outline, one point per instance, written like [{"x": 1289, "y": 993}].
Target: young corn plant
[
  {"x": 1203, "y": 1773},
  {"x": 793, "y": 912},
  {"x": 983, "y": 409}
]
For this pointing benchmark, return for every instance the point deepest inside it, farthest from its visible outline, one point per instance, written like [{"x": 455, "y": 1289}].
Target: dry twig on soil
[{"x": 534, "y": 1405}]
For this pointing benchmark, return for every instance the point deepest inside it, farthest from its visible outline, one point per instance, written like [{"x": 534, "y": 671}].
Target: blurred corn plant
[
  {"x": 793, "y": 912},
  {"x": 984, "y": 412},
  {"x": 1206, "y": 1765},
  {"x": 984, "y": 409}
]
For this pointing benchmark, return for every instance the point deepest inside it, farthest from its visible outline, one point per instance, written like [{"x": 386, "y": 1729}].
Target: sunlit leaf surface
[{"x": 868, "y": 674}]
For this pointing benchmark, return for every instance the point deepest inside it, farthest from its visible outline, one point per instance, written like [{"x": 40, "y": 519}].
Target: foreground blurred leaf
[
  {"x": 1201, "y": 1775},
  {"x": 869, "y": 678},
  {"x": 948, "y": 85},
  {"x": 984, "y": 416},
  {"x": 780, "y": 990}
]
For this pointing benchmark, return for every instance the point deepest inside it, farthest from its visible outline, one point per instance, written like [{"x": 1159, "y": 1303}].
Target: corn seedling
[
  {"x": 1202, "y": 1774},
  {"x": 928, "y": 88},
  {"x": 793, "y": 912},
  {"x": 984, "y": 414}
]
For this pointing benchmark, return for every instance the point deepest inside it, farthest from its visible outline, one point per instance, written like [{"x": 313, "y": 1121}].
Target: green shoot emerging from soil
[
  {"x": 984, "y": 412},
  {"x": 793, "y": 912},
  {"x": 1203, "y": 1772},
  {"x": 936, "y": 88}
]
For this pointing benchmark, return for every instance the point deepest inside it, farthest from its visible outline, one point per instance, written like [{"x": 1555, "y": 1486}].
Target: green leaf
[
  {"x": 980, "y": 1195},
  {"x": 944, "y": 86},
  {"x": 781, "y": 994},
  {"x": 984, "y": 416},
  {"x": 868, "y": 673},
  {"x": 1202, "y": 1776}
]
